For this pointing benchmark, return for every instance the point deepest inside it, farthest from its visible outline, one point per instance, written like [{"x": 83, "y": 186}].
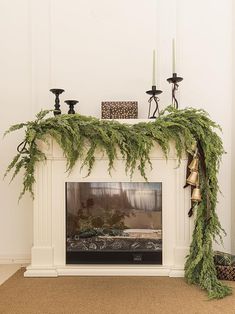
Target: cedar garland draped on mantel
[{"x": 185, "y": 127}]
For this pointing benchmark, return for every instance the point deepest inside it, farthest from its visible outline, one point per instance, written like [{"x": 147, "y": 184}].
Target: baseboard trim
[
  {"x": 23, "y": 259},
  {"x": 176, "y": 273},
  {"x": 40, "y": 272},
  {"x": 102, "y": 270}
]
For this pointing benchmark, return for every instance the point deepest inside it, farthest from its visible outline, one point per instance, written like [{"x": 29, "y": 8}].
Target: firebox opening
[{"x": 113, "y": 222}]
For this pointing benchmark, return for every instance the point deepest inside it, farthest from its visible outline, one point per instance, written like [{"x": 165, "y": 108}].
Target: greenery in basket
[{"x": 79, "y": 137}]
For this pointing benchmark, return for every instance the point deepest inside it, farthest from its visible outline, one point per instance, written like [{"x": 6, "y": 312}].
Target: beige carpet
[
  {"x": 7, "y": 270},
  {"x": 107, "y": 295}
]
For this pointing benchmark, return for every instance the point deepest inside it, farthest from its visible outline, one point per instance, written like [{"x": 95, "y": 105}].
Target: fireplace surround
[{"x": 48, "y": 255}]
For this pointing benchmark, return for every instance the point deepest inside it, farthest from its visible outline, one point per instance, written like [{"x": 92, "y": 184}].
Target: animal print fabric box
[{"x": 119, "y": 110}]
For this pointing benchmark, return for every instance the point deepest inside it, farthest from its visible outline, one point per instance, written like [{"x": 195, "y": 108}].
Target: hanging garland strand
[{"x": 80, "y": 136}]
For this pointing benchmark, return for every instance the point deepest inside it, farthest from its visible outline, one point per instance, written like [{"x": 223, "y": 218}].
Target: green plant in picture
[{"x": 183, "y": 127}]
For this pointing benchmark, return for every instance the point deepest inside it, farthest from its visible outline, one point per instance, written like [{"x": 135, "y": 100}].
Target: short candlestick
[
  {"x": 71, "y": 104},
  {"x": 57, "y": 92}
]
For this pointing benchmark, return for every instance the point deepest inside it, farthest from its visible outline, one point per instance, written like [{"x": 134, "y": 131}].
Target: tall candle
[
  {"x": 154, "y": 69},
  {"x": 173, "y": 55}
]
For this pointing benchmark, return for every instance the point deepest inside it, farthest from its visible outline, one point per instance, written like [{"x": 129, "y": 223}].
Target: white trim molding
[{"x": 22, "y": 259}]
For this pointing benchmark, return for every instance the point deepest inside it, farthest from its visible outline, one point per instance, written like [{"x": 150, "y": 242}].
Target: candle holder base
[
  {"x": 71, "y": 104},
  {"x": 153, "y": 92},
  {"x": 174, "y": 80}
]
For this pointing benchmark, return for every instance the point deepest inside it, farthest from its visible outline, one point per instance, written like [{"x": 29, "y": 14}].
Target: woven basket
[{"x": 226, "y": 272}]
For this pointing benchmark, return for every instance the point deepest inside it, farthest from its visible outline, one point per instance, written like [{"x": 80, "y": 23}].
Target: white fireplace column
[
  {"x": 49, "y": 238},
  {"x": 42, "y": 253}
]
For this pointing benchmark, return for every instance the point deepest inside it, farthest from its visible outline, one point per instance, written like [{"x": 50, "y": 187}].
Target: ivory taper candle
[
  {"x": 173, "y": 56},
  {"x": 154, "y": 68}
]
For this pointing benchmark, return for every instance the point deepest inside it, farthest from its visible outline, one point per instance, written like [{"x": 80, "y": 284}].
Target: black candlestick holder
[
  {"x": 174, "y": 80},
  {"x": 57, "y": 92},
  {"x": 71, "y": 104},
  {"x": 153, "y": 92}
]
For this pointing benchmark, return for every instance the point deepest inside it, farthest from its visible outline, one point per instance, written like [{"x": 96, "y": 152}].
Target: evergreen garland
[{"x": 79, "y": 137}]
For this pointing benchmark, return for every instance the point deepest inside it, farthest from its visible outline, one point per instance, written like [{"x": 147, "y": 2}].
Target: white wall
[
  {"x": 102, "y": 50},
  {"x": 233, "y": 143},
  {"x": 204, "y": 32},
  {"x": 15, "y": 98}
]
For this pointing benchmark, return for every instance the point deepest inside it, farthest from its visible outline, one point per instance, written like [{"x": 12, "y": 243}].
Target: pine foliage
[{"x": 80, "y": 136}]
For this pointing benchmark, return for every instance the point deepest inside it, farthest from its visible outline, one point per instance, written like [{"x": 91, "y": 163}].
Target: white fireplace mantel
[{"x": 48, "y": 251}]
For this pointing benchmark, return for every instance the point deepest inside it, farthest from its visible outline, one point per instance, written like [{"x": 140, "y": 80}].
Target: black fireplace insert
[{"x": 113, "y": 222}]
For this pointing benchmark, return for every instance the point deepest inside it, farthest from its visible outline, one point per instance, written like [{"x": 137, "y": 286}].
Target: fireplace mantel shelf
[{"x": 48, "y": 251}]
